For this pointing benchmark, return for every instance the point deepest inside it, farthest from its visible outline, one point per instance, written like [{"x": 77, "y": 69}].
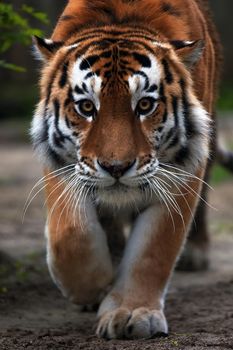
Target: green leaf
[
  {"x": 42, "y": 17},
  {"x": 12, "y": 66},
  {"x": 15, "y": 28}
]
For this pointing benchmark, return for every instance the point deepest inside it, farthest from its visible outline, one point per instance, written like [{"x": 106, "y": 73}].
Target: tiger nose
[{"x": 116, "y": 168}]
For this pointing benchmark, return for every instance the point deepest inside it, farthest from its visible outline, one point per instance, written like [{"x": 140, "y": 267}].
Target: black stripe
[
  {"x": 106, "y": 54},
  {"x": 107, "y": 65},
  {"x": 57, "y": 140},
  {"x": 162, "y": 94},
  {"x": 63, "y": 79},
  {"x": 142, "y": 59},
  {"x": 108, "y": 74},
  {"x": 67, "y": 102},
  {"x": 55, "y": 157},
  {"x": 70, "y": 98},
  {"x": 182, "y": 155},
  {"x": 61, "y": 136},
  {"x": 124, "y": 53},
  {"x": 56, "y": 105},
  {"x": 98, "y": 42},
  {"x": 78, "y": 90},
  {"x": 66, "y": 18},
  {"x": 175, "y": 110},
  {"x": 67, "y": 122},
  {"x": 168, "y": 75},
  {"x": 89, "y": 75},
  {"x": 152, "y": 88},
  {"x": 160, "y": 129},
  {"x": 189, "y": 127},
  {"x": 165, "y": 116},
  {"x": 88, "y": 62},
  {"x": 146, "y": 86},
  {"x": 84, "y": 86},
  {"x": 140, "y": 32}
]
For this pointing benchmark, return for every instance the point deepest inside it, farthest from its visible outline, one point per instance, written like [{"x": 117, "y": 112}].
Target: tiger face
[{"x": 119, "y": 105}]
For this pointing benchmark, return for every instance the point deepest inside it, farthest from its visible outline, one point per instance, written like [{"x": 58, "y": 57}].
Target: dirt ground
[{"x": 33, "y": 314}]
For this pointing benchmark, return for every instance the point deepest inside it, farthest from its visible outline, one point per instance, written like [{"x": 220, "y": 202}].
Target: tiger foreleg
[
  {"x": 134, "y": 307},
  {"x": 77, "y": 251}
]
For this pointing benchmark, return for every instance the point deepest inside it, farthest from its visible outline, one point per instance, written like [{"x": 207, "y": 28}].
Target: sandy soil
[{"x": 33, "y": 314}]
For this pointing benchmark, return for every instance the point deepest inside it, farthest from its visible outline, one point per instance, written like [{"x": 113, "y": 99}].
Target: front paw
[{"x": 138, "y": 323}]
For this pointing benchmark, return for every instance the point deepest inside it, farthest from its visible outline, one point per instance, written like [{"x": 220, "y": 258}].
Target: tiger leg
[
  {"x": 195, "y": 256},
  {"x": 77, "y": 251},
  {"x": 134, "y": 307}
]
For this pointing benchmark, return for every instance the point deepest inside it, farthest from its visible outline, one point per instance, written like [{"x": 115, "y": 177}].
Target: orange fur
[{"x": 78, "y": 266}]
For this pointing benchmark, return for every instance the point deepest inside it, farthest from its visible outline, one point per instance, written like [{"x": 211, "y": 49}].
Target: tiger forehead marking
[
  {"x": 115, "y": 65},
  {"x": 138, "y": 73}
]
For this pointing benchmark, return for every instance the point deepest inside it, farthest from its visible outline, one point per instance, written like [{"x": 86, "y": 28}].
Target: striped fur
[{"x": 125, "y": 121}]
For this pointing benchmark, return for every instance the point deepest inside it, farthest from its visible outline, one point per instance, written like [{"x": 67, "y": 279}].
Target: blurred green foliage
[
  {"x": 225, "y": 101},
  {"x": 219, "y": 175},
  {"x": 15, "y": 28}
]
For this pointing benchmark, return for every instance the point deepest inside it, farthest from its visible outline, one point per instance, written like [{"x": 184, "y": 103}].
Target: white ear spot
[
  {"x": 189, "y": 51},
  {"x": 44, "y": 49},
  {"x": 48, "y": 41}
]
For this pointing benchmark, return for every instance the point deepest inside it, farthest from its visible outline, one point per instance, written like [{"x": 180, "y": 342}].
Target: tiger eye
[
  {"x": 87, "y": 106},
  {"x": 145, "y": 104}
]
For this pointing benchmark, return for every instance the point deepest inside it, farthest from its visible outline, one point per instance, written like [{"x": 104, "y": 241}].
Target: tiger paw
[{"x": 137, "y": 324}]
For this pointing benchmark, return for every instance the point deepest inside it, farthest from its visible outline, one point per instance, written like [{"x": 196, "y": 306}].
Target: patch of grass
[
  {"x": 223, "y": 228},
  {"x": 3, "y": 290},
  {"x": 225, "y": 101},
  {"x": 219, "y": 174},
  {"x": 174, "y": 343}
]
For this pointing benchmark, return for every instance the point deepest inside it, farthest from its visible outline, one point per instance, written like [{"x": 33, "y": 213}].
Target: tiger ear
[
  {"x": 45, "y": 48},
  {"x": 189, "y": 51}
]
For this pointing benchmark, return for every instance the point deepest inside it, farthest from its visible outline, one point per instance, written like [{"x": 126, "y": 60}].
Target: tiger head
[{"x": 118, "y": 105}]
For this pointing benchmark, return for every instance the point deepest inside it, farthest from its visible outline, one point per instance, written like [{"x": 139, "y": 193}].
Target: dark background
[{"x": 19, "y": 91}]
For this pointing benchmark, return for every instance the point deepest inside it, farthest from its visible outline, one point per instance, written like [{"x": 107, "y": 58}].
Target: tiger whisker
[
  {"x": 56, "y": 186},
  {"x": 49, "y": 176},
  {"x": 59, "y": 198},
  {"x": 184, "y": 173},
  {"x": 172, "y": 201},
  {"x": 183, "y": 183},
  {"x": 68, "y": 195},
  {"x": 157, "y": 192},
  {"x": 181, "y": 194}
]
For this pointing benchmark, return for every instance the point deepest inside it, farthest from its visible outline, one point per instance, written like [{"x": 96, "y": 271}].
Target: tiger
[{"x": 125, "y": 130}]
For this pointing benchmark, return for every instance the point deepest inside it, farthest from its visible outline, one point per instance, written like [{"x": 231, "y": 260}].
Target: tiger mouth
[{"x": 118, "y": 186}]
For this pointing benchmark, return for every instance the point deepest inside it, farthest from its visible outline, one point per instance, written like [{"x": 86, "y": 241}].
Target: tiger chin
[{"x": 124, "y": 130}]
